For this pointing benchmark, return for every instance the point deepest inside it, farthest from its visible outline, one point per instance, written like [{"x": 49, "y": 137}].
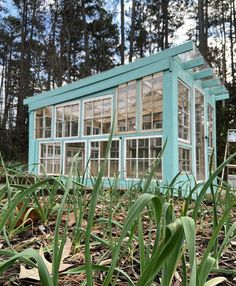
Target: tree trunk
[
  {"x": 122, "y": 32},
  {"x": 131, "y": 39}
]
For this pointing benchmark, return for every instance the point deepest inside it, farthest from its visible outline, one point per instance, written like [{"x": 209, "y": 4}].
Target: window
[
  {"x": 67, "y": 120},
  {"x": 183, "y": 111},
  {"x": 210, "y": 126},
  {"x": 126, "y": 106},
  {"x": 140, "y": 154},
  {"x": 97, "y": 157},
  {"x": 152, "y": 102},
  {"x": 71, "y": 149},
  {"x": 50, "y": 158},
  {"x": 43, "y": 124},
  {"x": 200, "y": 138},
  {"x": 97, "y": 116},
  {"x": 184, "y": 160}
]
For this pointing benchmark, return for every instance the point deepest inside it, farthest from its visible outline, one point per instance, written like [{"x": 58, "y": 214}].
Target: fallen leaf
[
  {"x": 33, "y": 272},
  {"x": 70, "y": 217}
]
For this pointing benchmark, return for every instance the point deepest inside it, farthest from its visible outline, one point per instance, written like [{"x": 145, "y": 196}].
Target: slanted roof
[{"x": 190, "y": 59}]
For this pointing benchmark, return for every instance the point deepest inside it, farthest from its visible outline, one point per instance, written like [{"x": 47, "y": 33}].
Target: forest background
[{"x": 47, "y": 44}]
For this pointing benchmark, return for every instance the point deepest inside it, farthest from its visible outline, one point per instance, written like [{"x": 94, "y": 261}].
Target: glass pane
[
  {"x": 59, "y": 129},
  {"x": 74, "y": 128},
  {"x": 73, "y": 149},
  {"x": 97, "y": 126},
  {"x": 97, "y": 108},
  {"x": 143, "y": 165},
  {"x": 47, "y": 133},
  {"x": 106, "y": 125},
  {"x": 57, "y": 167},
  {"x": 143, "y": 148},
  {"x": 66, "y": 129},
  {"x": 67, "y": 113},
  {"x": 88, "y": 127},
  {"x": 155, "y": 147},
  {"x": 106, "y": 107},
  {"x": 88, "y": 108},
  {"x": 48, "y": 112},
  {"x": 114, "y": 168},
  {"x": 131, "y": 148},
  {"x": 94, "y": 167},
  {"x": 114, "y": 152},
  {"x": 39, "y": 133},
  {"x": 59, "y": 112},
  {"x": 75, "y": 112},
  {"x": 103, "y": 146},
  {"x": 50, "y": 166},
  {"x": 39, "y": 112},
  {"x": 43, "y": 151},
  {"x": 131, "y": 168}
]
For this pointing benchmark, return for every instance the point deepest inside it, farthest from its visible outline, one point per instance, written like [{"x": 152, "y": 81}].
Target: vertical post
[
  {"x": 170, "y": 125},
  {"x": 32, "y": 156}
]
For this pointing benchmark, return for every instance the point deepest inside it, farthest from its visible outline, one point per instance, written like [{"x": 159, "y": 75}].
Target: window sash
[
  {"x": 140, "y": 155},
  {"x": 43, "y": 123},
  {"x": 50, "y": 157},
  {"x": 97, "y": 116},
  {"x": 67, "y": 120},
  {"x": 97, "y": 157}
]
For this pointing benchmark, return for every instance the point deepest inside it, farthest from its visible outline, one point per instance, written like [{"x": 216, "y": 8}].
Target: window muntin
[
  {"x": 97, "y": 116},
  {"x": 200, "y": 138},
  {"x": 184, "y": 159},
  {"x": 50, "y": 158},
  {"x": 210, "y": 125},
  {"x": 152, "y": 102},
  {"x": 71, "y": 149},
  {"x": 126, "y": 107},
  {"x": 183, "y": 111},
  {"x": 97, "y": 158},
  {"x": 140, "y": 154},
  {"x": 43, "y": 122},
  {"x": 67, "y": 120}
]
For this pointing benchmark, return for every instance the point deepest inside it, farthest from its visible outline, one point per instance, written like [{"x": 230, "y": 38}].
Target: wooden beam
[
  {"x": 193, "y": 63},
  {"x": 222, "y": 97},
  {"x": 217, "y": 90},
  {"x": 210, "y": 82},
  {"x": 202, "y": 74}
]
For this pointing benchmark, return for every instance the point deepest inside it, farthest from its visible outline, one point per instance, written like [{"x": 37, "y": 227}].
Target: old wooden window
[
  {"x": 71, "y": 149},
  {"x": 67, "y": 120},
  {"x": 140, "y": 154},
  {"x": 199, "y": 135},
  {"x": 184, "y": 159},
  {"x": 50, "y": 158},
  {"x": 126, "y": 107},
  {"x": 97, "y": 116},
  {"x": 97, "y": 157},
  {"x": 210, "y": 125},
  {"x": 183, "y": 111},
  {"x": 152, "y": 102},
  {"x": 43, "y": 122}
]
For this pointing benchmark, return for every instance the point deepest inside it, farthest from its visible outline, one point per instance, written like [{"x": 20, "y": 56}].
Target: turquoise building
[{"x": 167, "y": 96}]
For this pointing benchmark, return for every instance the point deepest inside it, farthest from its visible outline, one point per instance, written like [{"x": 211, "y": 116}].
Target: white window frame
[
  {"x": 64, "y": 148},
  {"x": 43, "y": 138},
  {"x": 109, "y": 96},
  {"x": 190, "y": 119},
  {"x": 39, "y": 155},
  {"x": 189, "y": 148},
  {"x": 209, "y": 106},
  {"x": 125, "y": 155},
  {"x": 141, "y": 100},
  {"x": 105, "y": 140},
  {"x": 55, "y": 119},
  {"x": 117, "y": 111}
]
